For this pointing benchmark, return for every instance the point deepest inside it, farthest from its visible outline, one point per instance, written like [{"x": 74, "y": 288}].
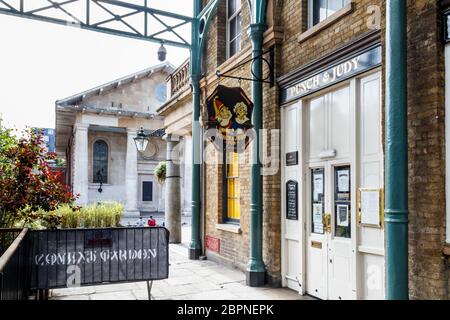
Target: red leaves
[{"x": 30, "y": 182}]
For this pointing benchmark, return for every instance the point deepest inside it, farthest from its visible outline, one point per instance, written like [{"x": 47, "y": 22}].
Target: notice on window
[
  {"x": 318, "y": 186},
  {"x": 342, "y": 216},
  {"x": 370, "y": 207},
  {"x": 344, "y": 181},
  {"x": 318, "y": 218}
]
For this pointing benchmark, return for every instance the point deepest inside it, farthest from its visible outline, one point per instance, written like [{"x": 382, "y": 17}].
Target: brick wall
[
  {"x": 426, "y": 132},
  {"x": 235, "y": 247},
  {"x": 428, "y": 270},
  {"x": 291, "y": 16}
]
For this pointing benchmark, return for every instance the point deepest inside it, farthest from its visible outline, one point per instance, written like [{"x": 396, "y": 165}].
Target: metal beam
[{"x": 113, "y": 8}]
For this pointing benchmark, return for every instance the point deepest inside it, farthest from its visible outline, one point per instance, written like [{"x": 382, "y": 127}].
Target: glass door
[{"x": 329, "y": 241}]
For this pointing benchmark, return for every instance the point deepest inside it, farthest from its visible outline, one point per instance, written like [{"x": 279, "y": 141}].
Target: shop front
[{"x": 332, "y": 177}]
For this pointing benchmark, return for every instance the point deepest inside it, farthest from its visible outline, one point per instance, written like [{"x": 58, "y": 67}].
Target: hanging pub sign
[
  {"x": 331, "y": 75},
  {"x": 229, "y": 119}
]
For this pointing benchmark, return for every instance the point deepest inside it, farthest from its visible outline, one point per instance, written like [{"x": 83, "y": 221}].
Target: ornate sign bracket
[{"x": 270, "y": 78}]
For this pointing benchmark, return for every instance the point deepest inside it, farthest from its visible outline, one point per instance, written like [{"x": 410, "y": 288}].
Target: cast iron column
[
  {"x": 256, "y": 271},
  {"x": 195, "y": 247},
  {"x": 396, "y": 204}
]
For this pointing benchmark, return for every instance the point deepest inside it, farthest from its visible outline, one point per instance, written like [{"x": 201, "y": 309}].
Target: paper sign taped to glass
[
  {"x": 342, "y": 215},
  {"x": 318, "y": 218},
  {"x": 229, "y": 119}
]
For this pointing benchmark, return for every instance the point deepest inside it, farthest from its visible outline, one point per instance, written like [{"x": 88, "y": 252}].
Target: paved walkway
[{"x": 188, "y": 280}]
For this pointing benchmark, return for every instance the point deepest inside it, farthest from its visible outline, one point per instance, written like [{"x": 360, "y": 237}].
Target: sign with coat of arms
[{"x": 230, "y": 114}]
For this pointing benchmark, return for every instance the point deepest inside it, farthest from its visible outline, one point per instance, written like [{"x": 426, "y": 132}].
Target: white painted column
[
  {"x": 81, "y": 163},
  {"x": 187, "y": 176},
  {"x": 131, "y": 179}
]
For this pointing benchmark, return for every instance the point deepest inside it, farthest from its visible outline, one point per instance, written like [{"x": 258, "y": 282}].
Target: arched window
[{"x": 100, "y": 167}]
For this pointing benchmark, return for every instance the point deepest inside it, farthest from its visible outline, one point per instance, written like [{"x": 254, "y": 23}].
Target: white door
[{"x": 329, "y": 213}]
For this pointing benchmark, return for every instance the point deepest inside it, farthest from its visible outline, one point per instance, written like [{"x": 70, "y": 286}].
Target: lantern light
[
  {"x": 141, "y": 140},
  {"x": 162, "y": 52}
]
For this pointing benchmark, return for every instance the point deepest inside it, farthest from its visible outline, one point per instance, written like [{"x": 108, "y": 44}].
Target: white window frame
[
  {"x": 311, "y": 12},
  {"x": 229, "y": 19}
]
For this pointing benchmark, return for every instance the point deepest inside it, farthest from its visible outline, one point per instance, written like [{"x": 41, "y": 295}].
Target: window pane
[
  {"x": 234, "y": 32},
  {"x": 233, "y": 48},
  {"x": 233, "y": 187},
  {"x": 317, "y": 201},
  {"x": 319, "y": 11},
  {"x": 147, "y": 191},
  {"x": 233, "y": 28},
  {"x": 238, "y": 43},
  {"x": 100, "y": 165},
  {"x": 230, "y": 188},
  {"x": 237, "y": 213},
  {"x": 322, "y": 9},
  {"x": 231, "y": 211},
  {"x": 239, "y": 23},
  {"x": 342, "y": 202},
  {"x": 334, "y": 5},
  {"x": 232, "y": 7},
  {"x": 237, "y": 188}
]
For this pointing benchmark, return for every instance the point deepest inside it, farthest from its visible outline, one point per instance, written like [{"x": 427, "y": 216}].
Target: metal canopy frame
[{"x": 112, "y": 8}]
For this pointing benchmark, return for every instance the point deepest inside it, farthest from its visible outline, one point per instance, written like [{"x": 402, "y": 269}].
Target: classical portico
[{"x": 95, "y": 134}]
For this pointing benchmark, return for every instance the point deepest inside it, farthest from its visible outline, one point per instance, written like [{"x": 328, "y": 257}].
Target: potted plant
[{"x": 160, "y": 172}]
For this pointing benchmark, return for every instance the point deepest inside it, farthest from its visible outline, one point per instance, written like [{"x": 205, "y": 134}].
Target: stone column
[
  {"x": 187, "y": 179},
  {"x": 131, "y": 213},
  {"x": 172, "y": 186},
  {"x": 81, "y": 163}
]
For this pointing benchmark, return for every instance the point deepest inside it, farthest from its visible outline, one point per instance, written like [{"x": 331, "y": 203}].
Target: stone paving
[{"x": 188, "y": 280}]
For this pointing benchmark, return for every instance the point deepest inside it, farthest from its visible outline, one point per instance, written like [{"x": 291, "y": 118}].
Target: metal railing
[
  {"x": 79, "y": 257},
  {"x": 14, "y": 265},
  {"x": 46, "y": 259},
  {"x": 7, "y": 237}
]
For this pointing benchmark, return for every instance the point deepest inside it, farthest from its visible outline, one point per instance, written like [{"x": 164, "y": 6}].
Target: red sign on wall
[{"x": 212, "y": 244}]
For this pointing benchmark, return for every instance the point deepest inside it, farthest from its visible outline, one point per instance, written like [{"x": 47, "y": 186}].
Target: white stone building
[{"x": 95, "y": 133}]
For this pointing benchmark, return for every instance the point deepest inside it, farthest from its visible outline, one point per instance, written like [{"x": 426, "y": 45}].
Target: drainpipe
[
  {"x": 195, "y": 247},
  {"x": 256, "y": 272},
  {"x": 396, "y": 203}
]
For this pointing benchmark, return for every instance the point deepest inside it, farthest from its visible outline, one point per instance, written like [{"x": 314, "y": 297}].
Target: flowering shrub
[{"x": 28, "y": 186}]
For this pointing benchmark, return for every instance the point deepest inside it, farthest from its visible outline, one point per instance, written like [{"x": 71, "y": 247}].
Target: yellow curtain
[{"x": 234, "y": 193}]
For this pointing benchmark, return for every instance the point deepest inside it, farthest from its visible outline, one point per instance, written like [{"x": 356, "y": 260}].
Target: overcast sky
[{"x": 42, "y": 62}]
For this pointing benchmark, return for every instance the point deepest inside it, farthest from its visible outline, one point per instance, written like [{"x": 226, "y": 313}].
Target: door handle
[{"x": 327, "y": 223}]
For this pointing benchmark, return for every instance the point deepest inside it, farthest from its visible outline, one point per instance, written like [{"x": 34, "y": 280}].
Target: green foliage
[
  {"x": 28, "y": 186},
  {"x": 7, "y": 141},
  {"x": 160, "y": 172},
  {"x": 60, "y": 162},
  {"x": 37, "y": 219},
  {"x": 101, "y": 215}
]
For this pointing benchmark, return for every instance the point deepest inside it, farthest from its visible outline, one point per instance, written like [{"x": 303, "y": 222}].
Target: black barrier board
[{"x": 76, "y": 257}]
